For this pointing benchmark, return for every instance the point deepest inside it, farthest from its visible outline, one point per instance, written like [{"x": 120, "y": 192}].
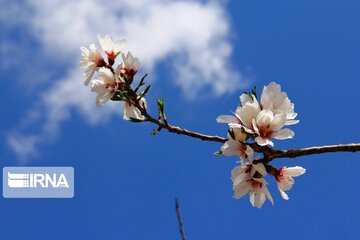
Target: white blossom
[
  {"x": 263, "y": 120},
  {"x": 247, "y": 112},
  {"x": 105, "y": 86},
  {"x": 111, "y": 48},
  {"x": 91, "y": 60},
  {"x": 273, "y": 99},
  {"x": 235, "y": 148},
  {"x": 131, "y": 64},
  {"x": 284, "y": 179},
  {"x": 268, "y": 125},
  {"x": 132, "y": 112},
  {"x": 244, "y": 182}
]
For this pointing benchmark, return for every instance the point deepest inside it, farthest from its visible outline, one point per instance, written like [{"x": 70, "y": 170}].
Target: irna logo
[
  {"x": 19, "y": 180},
  {"x": 38, "y": 182}
]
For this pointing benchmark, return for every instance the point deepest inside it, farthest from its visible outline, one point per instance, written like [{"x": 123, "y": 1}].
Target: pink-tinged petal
[
  {"x": 257, "y": 198},
  {"x": 227, "y": 119},
  {"x": 240, "y": 178},
  {"x": 240, "y": 191},
  {"x": 237, "y": 171},
  {"x": 282, "y": 193},
  {"x": 283, "y": 134},
  {"x": 249, "y": 152},
  {"x": 260, "y": 168},
  {"x": 267, "y": 193},
  {"x": 231, "y": 148},
  {"x": 286, "y": 182},
  {"x": 252, "y": 198},
  {"x": 263, "y": 141},
  {"x": 294, "y": 171},
  {"x": 130, "y": 62}
]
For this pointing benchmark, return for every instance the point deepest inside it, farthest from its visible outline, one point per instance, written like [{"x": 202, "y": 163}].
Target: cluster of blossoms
[
  {"x": 254, "y": 124},
  {"x": 251, "y": 128},
  {"x": 113, "y": 83}
]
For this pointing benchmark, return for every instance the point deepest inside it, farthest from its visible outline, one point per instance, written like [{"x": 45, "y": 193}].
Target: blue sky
[{"x": 200, "y": 56}]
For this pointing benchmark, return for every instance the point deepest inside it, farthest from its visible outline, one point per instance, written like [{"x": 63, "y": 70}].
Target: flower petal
[
  {"x": 263, "y": 141},
  {"x": 118, "y": 45},
  {"x": 260, "y": 168},
  {"x": 282, "y": 193},
  {"x": 227, "y": 119},
  {"x": 232, "y": 148},
  {"x": 267, "y": 193},
  {"x": 294, "y": 171},
  {"x": 240, "y": 191},
  {"x": 283, "y": 134}
]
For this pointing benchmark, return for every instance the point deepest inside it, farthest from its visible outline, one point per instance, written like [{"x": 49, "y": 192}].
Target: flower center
[
  {"x": 128, "y": 71},
  {"x": 111, "y": 55},
  {"x": 265, "y": 131},
  {"x": 255, "y": 184}
]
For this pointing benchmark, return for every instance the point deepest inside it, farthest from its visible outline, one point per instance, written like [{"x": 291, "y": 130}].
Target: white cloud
[{"x": 194, "y": 34}]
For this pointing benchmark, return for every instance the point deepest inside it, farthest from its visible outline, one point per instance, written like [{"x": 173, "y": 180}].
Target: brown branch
[
  {"x": 272, "y": 154},
  {"x": 269, "y": 153},
  {"x": 181, "y": 225},
  {"x": 175, "y": 129}
]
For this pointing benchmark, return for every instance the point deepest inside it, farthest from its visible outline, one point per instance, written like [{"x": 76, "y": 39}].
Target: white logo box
[{"x": 38, "y": 182}]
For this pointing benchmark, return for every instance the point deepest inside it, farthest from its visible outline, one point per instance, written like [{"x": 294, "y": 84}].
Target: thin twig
[
  {"x": 176, "y": 129},
  {"x": 181, "y": 225}
]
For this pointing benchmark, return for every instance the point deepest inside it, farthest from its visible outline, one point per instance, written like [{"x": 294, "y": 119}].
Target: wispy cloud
[{"x": 196, "y": 33}]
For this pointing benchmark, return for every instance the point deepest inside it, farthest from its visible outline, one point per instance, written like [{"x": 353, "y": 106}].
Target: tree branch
[
  {"x": 175, "y": 129},
  {"x": 181, "y": 225},
  {"x": 269, "y": 153}
]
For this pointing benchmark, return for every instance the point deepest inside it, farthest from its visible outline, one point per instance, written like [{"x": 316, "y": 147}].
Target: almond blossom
[
  {"x": 111, "y": 48},
  {"x": 130, "y": 66},
  {"x": 247, "y": 179},
  {"x": 105, "y": 86},
  {"x": 235, "y": 148},
  {"x": 249, "y": 113},
  {"x": 91, "y": 60},
  {"x": 266, "y": 119},
  {"x": 273, "y": 99},
  {"x": 285, "y": 181},
  {"x": 132, "y": 112},
  {"x": 268, "y": 125}
]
